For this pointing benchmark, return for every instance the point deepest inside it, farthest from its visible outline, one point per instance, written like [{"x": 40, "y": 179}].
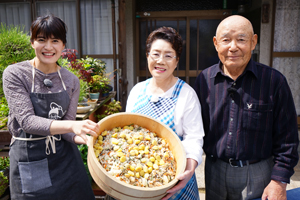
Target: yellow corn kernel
[
  {"x": 100, "y": 142},
  {"x": 116, "y": 129},
  {"x": 154, "y": 134},
  {"x": 131, "y": 173},
  {"x": 97, "y": 152},
  {"x": 150, "y": 164},
  {"x": 120, "y": 154},
  {"x": 136, "y": 148},
  {"x": 158, "y": 157},
  {"x": 155, "y": 166},
  {"x": 148, "y": 138},
  {"x": 123, "y": 159},
  {"x": 152, "y": 159},
  {"x": 166, "y": 155},
  {"x": 137, "y": 141},
  {"x": 142, "y": 147},
  {"x": 137, "y": 175},
  {"x": 154, "y": 142},
  {"x": 115, "y": 141},
  {"x": 161, "y": 162},
  {"x": 125, "y": 127},
  {"x": 138, "y": 167},
  {"x": 104, "y": 133},
  {"x": 132, "y": 168},
  {"x": 155, "y": 148},
  {"x": 130, "y": 128},
  {"x": 142, "y": 173},
  {"x": 119, "y": 150},
  {"x": 129, "y": 141},
  {"x": 141, "y": 137},
  {"x": 156, "y": 162},
  {"x": 100, "y": 137},
  {"x": 150, "y": 169},
  {"x": 127, "y": 175},
  {"x": 132, "y": 152},
  {"x": 163, "y": 142},
  {"x": 122, "y": 135},
  {"x": 127, "y": 136},
  {"x": 116, "y": 148},
  {"x": 146, "y": 151},
  {"x": 115, "y": 135}
]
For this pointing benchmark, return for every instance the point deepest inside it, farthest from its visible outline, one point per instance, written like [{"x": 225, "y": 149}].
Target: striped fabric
[
  {"x": 163, "y": 109},
  {"x": 251, "y": 118}
]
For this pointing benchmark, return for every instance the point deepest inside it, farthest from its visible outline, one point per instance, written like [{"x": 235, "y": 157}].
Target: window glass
[
  {"x": 96, "y": 26},
  {"x": 207, "y": 54},
  {"x": 16, "y": 14}
]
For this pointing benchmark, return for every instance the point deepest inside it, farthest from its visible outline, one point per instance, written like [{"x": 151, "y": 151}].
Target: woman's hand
[
  {"x": 183, "y": 178},
  {"x": 80, "y": 128},
  {"x": 84, "y": 128}
]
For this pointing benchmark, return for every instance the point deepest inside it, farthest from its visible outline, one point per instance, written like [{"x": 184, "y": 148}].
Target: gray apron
[{"x": 47, "y": 167}]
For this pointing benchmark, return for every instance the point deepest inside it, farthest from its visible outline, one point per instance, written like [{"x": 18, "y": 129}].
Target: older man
[{"x": 250, "y": 122}]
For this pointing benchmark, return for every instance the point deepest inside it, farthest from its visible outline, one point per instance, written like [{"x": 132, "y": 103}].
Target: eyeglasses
[{"x": 166, "y": 57}]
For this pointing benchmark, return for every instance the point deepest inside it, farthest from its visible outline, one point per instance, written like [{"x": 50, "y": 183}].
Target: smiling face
[
  {"x": 234, "y": 42},
  {"x": 47, "y": 50},
  {"x": 160, "y": 68}
]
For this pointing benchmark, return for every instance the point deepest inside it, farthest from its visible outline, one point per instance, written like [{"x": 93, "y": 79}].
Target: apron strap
[
  {"x": 61, "y": 79},
  {"x": 49, "y": 139},
  {"x": 33, "y": 75}
]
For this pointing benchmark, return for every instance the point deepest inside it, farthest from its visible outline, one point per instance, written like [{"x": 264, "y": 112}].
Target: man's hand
[{"x": 275, "y": 191}]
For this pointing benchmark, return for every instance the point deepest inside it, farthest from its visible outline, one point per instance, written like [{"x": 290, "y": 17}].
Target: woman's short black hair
[
  {"x": 168, "y": 34},
  {"x": 49, "y": 25}
]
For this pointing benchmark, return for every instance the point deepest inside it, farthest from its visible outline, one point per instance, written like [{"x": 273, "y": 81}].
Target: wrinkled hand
[
  {"x": 82, "y": 128},
  {"x": 183, "y": 178},
  {"x": 275, "y": 191}
]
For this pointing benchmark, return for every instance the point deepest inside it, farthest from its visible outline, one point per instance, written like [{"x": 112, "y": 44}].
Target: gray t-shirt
[{"x": 17, "y": 83}]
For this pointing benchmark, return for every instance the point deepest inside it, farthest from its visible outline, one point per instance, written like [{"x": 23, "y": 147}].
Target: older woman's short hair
[{"x": 168, "y": 34}]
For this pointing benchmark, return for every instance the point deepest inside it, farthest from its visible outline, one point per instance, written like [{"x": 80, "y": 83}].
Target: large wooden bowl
[{"x": 119, "y": 189}]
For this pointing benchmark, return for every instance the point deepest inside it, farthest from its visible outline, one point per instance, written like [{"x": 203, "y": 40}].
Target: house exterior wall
[{"x": 266, "y": 36}]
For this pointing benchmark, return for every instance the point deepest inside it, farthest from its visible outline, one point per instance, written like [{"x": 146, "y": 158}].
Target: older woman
[{"x": 173, "y": 102}]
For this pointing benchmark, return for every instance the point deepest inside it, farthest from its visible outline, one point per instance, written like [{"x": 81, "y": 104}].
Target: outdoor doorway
[{"x": 196, "y": 29}]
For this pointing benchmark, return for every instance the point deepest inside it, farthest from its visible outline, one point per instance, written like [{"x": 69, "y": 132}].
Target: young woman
[
  {"x": 173, "y": 102},
  {"x": 42, "y": 97}
]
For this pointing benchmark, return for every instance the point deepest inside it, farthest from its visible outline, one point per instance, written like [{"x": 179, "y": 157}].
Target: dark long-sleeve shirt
[{"x": 251, "y": 118}]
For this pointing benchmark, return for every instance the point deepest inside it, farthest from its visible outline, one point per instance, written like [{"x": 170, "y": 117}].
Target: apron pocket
[{"x": 34, "y": 175}]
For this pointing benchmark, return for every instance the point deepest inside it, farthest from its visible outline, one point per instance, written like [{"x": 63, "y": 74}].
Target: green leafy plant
[
  {"x": 4, "y": 163},
  {"x": 83, "y": 149},
  {"x": 84, "y": 88},
  {"x": 4, "y": 179},
  {"x": 4, "y": 110},
  {"x": 14, "y": 47},
  {"x": 94, "y": 65},
  {"x": 111, "y": 108}
]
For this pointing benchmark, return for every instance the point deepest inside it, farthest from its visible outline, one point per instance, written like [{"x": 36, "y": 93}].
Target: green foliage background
[{"x": 14, "y": 47}]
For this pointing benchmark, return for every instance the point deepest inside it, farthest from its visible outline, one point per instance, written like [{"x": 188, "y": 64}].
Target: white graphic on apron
[{"x": 56, "y": 111}]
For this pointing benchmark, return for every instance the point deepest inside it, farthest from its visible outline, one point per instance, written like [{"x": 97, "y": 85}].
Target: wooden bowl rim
[{"x": 163, "y": 187}]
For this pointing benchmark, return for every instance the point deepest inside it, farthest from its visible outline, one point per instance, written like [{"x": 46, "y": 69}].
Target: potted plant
[{"x": 4, "y": 174}]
